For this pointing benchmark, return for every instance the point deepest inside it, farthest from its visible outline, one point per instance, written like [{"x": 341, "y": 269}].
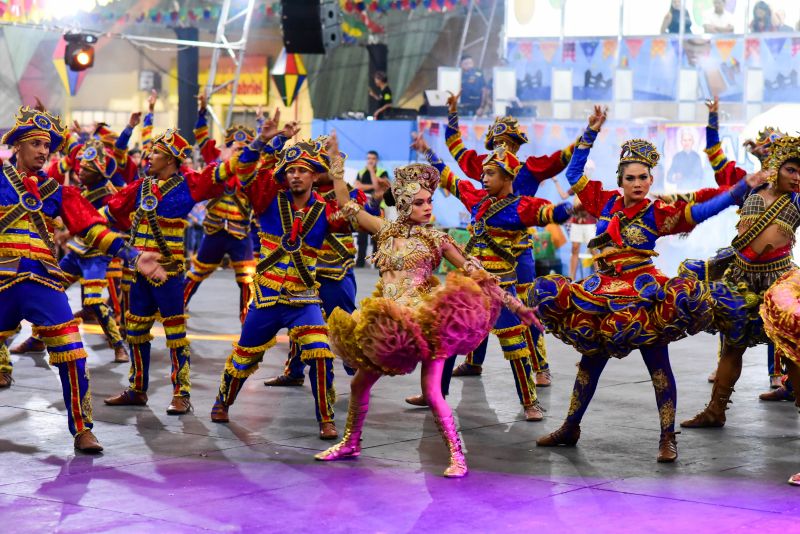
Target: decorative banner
[
  {"x": 775, "y": 45},
  {"x": 752, "y": 49},
  {"x": 609, "y": 48},
  {"x": 526, "y": 49},
  {"x": 548, "y": 49},
  {"x": 568, "y": 52},
  {"x": 593, "y": 74},
  {"x": 589, "y": 48},
  {"x": 724, "y": 47},
  {"x": 634, "y": 45},
  {"x": 72, "y": 80},
  {"x": 253, "y": 89},
  {"x": 289, "y": 73},
  {"x": 795, "y": 45},
  {"x": 538, "y": 130},
  {"x": 780, "y": 71},
  {"x": 658, "y": 48}
]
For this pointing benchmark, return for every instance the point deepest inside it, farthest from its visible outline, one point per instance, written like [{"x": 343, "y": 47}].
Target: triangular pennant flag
[
  {"x": 589, "y": 48},
  {"x": 435, "y": 129},
  {"x": 658, "y": 47},
  {"x": 795, "y": 45},
  {"x": 538, "y": 130},
  {"x": 548, "y": 49},
  {"x": 775, "y": 45},
  {"x": 609, "y": 48},
  {"x": 634, "y": 45},
  {"x": 464, "y": 129},
  {"x": 526, "y": 49},
  {"x": 752, "y": 49},
  {"x": 288, "y": 73},
  {"x": 724, "y": 47},
  {"x": 568, "y": 51},
  {"x": 479, "y": 131},
  {"x": 556, "y": 131}
]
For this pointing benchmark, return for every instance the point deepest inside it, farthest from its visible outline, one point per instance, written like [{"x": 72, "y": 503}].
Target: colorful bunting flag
[{"x": 724, "y": 47}]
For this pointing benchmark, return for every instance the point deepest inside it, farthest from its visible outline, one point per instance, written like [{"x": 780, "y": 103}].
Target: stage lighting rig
[{"x": 79, "y": 53}]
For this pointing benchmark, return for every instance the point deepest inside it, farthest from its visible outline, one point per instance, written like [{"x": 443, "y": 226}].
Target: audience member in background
[
  {"x": 762, "y": 18},
  {"x": 779, "y": 22},
  {"x": 582, "y": 223},
  {"x": 686, "y": 171},
  {"x": 473, "y": 87},
  {"x": 384, "y": 95},
  {"x": 194, "y": 231},
  {"x": 374, "y": 182},
  {"x": 672, "y": 20},
  {"x": 718, "y": 20}
]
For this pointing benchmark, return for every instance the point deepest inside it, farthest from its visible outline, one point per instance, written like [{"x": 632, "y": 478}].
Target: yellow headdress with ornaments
[
  {"x": 410, "y": 180},
  {"x": 784, "y": 149},
  {"x": 504, "y": 127}
]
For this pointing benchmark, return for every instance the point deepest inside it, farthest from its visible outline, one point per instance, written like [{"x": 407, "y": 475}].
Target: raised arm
[
  {"x": 208, "y": 147},
  {"x": 467, "y": 193},
  {"x": 534, "y": 211},
  {"x": 681, "y": 216},
  {"x": 349, "y": 207},
  {"x": 468, "y": 160},
  {"x": 147, "y": 124},
  {"x": 725, "y": 171}
]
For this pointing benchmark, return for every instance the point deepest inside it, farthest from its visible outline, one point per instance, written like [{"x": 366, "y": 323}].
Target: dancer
[
  {"x": 781, "y": 314},
  {"x": 226, "y": 226},
  {"x": 31, "y": 282},
  {"x": 155, "y": 209},
  {"x": 738, "y": 276},
  {"x": 628, "y": 303},
  {"x": 500, "y": 220},
  {"x": 410, "y": 320},
  {"x": 506, "y": 131},
  {"x": 335, "y": 274},
  {"x": 294, "y": 221},
  {"x": 726, "y": 172}
]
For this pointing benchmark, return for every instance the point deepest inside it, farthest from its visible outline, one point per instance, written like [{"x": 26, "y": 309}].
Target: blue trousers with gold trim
[
  {"x": 145, "y": 301},
  {"x": 307, "y": 328},
  {"x": 334, "y": 294},
  {"x": 212, "y": 250},
  {"x": 526, "y": 274},
  {"x": 48, "y": 310}
]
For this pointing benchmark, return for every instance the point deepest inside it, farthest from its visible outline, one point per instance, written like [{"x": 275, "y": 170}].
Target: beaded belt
[{"x": 771, "y": 266}]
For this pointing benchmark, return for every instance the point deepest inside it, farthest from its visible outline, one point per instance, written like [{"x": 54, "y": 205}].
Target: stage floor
[{"x": 163, "y": 473}]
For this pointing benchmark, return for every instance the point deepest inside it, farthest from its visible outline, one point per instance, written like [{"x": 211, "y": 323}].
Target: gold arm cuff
[{"x": 580, "y": 185}]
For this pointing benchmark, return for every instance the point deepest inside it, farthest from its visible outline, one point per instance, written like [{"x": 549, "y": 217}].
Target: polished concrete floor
[{"x": 164, "y": 473}]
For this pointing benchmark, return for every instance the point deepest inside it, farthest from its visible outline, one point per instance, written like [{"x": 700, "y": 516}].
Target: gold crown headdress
[
  {"x": 504, "y": 126},
  {"x": 639, "y": 151},
  {"x": 783, "y": 149},
  {"x": 408, "y": 181}
]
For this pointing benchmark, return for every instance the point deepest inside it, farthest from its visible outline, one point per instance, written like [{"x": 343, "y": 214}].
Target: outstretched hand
[
  {"x": 419, "y": 144},
  {"x": 713, "y": 105},
  {"x": 598, "y": 117},
  {"x": 332, "y": 144},
  {"x": 759, "y": 177},
  {"x": 452, "y": 102},
  {"x": 39, "y": 105},
  {"x": 76, "y": 127},
  {"x": 529, "y": 318},
  {"x": 151, "y": 100},
  {"x": 135, "y": 119},
  {"x": 290, "y": 129},
  {"x": 202, "y": 101},
  {"x": 270, "y": 127}
]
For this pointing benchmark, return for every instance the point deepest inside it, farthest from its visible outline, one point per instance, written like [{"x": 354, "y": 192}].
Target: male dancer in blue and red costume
[
  {"x": 506, "y": 131},
  {"x": 31, "y": 282},
  {"x": 87, "y": 265},
  {"x": 726, "y": 172},
  {"x": 155, "y": 208},
  {"x": 226, "y": 227},
  {"x": 337, "y": 280},
  {"x": 499, "y": 224},
  {"x": 294, "y": 222}
]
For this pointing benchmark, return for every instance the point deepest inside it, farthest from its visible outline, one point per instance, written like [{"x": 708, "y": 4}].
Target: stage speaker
[{"x": 310, "y": 26}]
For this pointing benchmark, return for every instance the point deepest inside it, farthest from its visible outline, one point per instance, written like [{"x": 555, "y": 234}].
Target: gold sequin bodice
[{"x": 407, "y": 256}]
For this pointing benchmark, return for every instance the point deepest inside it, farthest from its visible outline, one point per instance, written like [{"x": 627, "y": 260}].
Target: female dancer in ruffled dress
[
  {"x": 411, "y": 320},
  {"x": 628, "y": 304}
]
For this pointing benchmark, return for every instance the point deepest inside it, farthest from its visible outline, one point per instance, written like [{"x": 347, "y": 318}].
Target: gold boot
[
  {"x": 458, "y": 463},
  {"x": 350, "y": 446},
  {"x": 713, "y": 415}
]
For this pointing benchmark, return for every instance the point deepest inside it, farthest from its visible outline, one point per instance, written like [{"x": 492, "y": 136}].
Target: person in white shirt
[{"x": 718, "y": 20}]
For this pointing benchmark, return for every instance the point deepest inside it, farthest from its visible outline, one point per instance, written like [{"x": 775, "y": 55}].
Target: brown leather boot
[
  {"x": 5, "y": 380},
  {"x": 417, "y": 400},
  {"x": 219, "y": 413},
  {"x": 86, "y": 315},
  {"x": 328, "y": 431},
  {"x": 87, "y": 442},
  {"x": 667, "y": 448},
  {"x": 127, "y": 398},
  {"x": 284, "y": 381},
  {"x": 180, "y": 405},
  {"x": 713, "y": 416},
  {"x": 29, "y": 345},
  {"x": 534, "y": 412},
  {"x": 467, "y": 369},
  {"x": 777, "y": 395},
  {"x": 120, "y": 354},
  {"x": 568, "y": 435},
  {"x": 543, "y": 379}
]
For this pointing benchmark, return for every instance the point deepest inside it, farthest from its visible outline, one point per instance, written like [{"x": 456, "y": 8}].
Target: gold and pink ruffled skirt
[
  {"x": 389, "y": 338},
  {"x": 781, "y": 314}
]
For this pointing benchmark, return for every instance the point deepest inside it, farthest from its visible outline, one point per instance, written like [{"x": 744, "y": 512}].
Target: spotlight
[{"x": 79, "y": 53}]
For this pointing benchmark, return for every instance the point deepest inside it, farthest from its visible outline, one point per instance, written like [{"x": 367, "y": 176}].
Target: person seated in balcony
[
  {"x": 762, "y": 18},
  {"x": 718, "y": 20},
  {"x": 672, "y": 20}
]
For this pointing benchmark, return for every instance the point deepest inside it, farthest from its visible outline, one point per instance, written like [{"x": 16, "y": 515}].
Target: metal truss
[{"x": 486, "y": 16}]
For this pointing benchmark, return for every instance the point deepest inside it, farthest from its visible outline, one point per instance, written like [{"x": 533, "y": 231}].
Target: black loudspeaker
[
  {"x": 378, "y": 61},
  {"x": 310, "y": 26}
]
